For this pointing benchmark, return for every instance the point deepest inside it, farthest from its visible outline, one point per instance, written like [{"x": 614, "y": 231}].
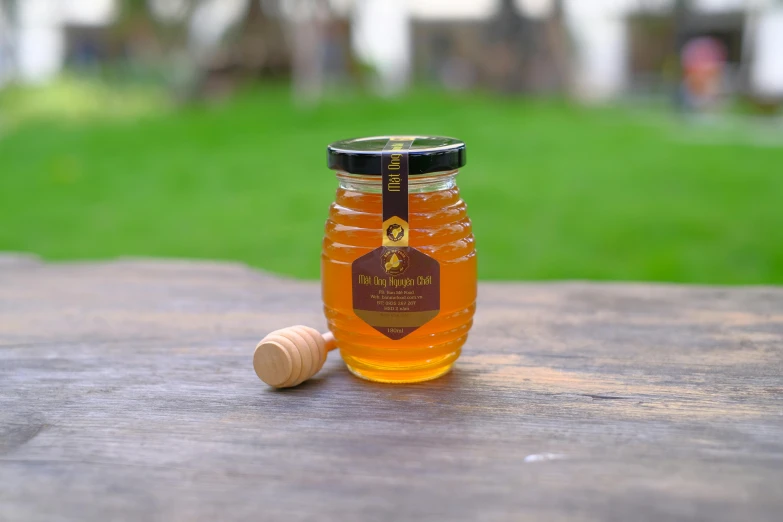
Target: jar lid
[{"x": 427, "y": 154}]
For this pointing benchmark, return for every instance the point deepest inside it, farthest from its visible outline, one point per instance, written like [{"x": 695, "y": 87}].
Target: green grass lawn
[{"x": 555, "y": 191}]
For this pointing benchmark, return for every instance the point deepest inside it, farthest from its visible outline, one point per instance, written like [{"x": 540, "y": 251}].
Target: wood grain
[{"x": 127, "y": 392}]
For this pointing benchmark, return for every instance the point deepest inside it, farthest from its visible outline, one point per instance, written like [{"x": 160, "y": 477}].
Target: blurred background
[{"x": 607, "y": 139}]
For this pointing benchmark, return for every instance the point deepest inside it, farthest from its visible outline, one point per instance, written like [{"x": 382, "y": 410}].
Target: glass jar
[{"x": 398, "y": 265}]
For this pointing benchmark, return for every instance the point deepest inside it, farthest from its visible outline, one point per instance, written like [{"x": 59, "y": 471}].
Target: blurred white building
[
  {"x": 598, "y": 28},
  {"x": 32, "y": 41}
]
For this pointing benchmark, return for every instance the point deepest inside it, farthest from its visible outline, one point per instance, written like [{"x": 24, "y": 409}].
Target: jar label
[{"x": 396, "y": 288}]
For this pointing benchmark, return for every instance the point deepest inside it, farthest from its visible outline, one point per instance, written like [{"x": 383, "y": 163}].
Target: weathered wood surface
[{"x": 127, "y": 393}]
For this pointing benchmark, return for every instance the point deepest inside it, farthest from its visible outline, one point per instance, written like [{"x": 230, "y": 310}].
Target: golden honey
[{"x": 438, "y": 227}]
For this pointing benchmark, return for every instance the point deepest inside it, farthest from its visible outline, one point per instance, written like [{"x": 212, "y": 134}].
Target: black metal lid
[{"x": 427, "y": 154}]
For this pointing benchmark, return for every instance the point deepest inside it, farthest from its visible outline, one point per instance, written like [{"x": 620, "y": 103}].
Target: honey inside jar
[{"x": 438, "y": 228}]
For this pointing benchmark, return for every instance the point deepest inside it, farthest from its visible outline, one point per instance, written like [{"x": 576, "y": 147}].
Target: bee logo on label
[
  {"x": 395, "y": 261},
  {"x": 395, "y": 232}
]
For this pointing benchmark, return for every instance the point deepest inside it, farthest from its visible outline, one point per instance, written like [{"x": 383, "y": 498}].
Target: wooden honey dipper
[{"x": 290, "y": 356}]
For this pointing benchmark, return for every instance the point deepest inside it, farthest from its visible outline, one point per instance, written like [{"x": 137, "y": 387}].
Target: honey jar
[{"x": 398, "y": 264}]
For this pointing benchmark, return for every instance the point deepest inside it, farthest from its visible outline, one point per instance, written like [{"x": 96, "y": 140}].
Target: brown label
[
  {"x": 394, "y": 231},
  {"x": 396, "y": 289}
]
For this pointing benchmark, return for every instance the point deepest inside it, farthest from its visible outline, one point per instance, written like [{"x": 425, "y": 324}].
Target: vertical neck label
[{"x": 395, "y": 191}]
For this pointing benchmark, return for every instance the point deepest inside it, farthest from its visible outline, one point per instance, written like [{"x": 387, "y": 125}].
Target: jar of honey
[{"x": 398, "y": 265}]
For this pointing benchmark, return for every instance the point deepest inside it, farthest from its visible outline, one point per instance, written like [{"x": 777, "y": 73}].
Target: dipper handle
[{"x": 290, "y": 356}]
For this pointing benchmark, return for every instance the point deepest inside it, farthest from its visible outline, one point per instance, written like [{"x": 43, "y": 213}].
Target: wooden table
[{"x": 127, "y": 393}]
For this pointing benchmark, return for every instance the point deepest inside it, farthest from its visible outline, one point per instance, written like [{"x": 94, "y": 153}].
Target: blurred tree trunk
[
  {"x": 171, "y": 35},
  {"x": 528, "y": 55},
  {"x": 10, "y": 7},
  {"x": 559, "y": 44},
  {"x": 259, "y": 44},
  {"x": 308, "y": 34},
  {"x": 8, "y": 45},
  {"x": 681, "y": 15},
  {"x": 255, "y": 48},
  {"x": 273, "y": 38}
]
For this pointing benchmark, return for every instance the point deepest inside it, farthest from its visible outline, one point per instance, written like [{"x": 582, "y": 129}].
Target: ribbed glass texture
[{"x": 439, "y": 227}]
